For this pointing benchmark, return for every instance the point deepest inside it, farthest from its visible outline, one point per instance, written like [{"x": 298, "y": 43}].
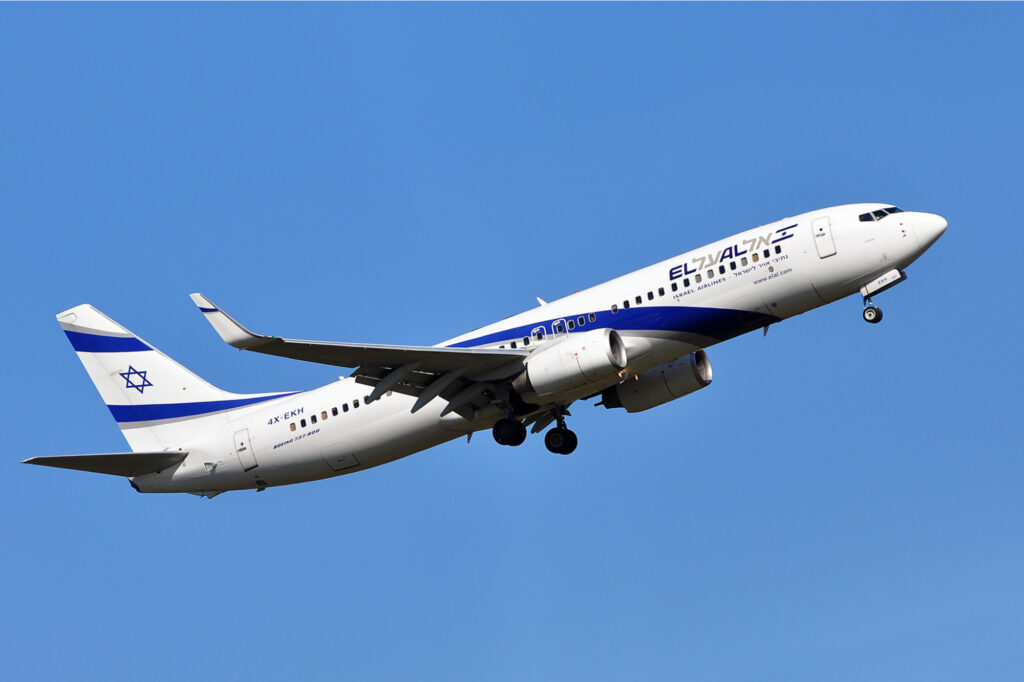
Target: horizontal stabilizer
[{"x": 116, "y": 463}]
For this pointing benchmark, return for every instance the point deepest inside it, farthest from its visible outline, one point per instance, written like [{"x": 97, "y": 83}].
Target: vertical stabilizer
[{"x": 157, "y": 403}]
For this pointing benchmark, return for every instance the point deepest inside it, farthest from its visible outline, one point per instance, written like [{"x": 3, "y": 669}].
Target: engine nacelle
[
  {"x": 571, "y": 363},
  {"x": 660, "y": 384}
]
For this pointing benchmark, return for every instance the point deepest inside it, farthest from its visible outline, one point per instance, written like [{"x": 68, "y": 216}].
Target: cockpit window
[{"x": 879, "y": 214}]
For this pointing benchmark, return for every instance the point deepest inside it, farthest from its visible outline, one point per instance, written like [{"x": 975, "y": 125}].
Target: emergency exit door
[
  {"x": 243, "y": 448},
  {"x": 823, "y": 242}
]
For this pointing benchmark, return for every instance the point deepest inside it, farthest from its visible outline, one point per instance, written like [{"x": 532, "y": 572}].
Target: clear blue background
[{"x": 843, "y": 503}]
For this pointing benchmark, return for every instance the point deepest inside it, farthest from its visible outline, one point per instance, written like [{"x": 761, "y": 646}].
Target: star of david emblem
[{"x": 132, "y": 377}]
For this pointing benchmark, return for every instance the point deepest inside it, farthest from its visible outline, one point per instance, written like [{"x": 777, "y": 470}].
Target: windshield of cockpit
[{"x": 879, "y": 214}]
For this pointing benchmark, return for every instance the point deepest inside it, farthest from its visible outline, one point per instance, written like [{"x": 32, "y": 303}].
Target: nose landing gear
[{"x": 872, "y": 313}]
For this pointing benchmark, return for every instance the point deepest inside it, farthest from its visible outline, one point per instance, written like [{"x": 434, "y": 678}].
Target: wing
[
  {"x": 116, "y": 463},
  {"x": 458, "y": 374}
]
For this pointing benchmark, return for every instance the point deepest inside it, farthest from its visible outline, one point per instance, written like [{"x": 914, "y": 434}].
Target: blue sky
[{"x": 843, "y": 503}]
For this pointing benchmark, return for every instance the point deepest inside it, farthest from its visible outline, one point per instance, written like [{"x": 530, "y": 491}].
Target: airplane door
[
  {"x": 243, "y": 448},
  {"x": 822, "y": 229}
]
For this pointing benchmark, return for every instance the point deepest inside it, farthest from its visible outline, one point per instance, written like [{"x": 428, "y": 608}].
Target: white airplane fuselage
[{"x": 662, "y": 312}]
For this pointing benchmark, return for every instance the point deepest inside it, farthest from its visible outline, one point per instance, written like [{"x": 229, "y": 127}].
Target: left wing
[{"x": 425, "y": 371}]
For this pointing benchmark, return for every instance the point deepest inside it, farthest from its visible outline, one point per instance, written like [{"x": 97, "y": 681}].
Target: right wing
[
  {"x": 459, "y": 375},
  {"x": 116, "y": 463}
]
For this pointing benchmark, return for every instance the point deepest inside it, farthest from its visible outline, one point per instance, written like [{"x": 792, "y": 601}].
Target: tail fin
[{"x": 157, "y": 403}]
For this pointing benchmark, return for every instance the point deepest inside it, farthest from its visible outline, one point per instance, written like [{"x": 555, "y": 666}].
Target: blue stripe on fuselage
[
  {"x": 146, "y": 413},
  {"x": 95, "y": 343},
  {"x": 716, "y": 323}
]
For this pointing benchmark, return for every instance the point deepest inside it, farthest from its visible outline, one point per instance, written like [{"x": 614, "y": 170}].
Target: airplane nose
[{"x": 929, "y": 227}]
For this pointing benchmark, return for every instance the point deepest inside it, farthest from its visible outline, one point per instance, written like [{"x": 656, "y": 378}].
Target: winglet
[{"x": 229, "y": 329}]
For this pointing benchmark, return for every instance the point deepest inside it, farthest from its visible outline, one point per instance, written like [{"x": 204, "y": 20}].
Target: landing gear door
[
  {"x": 823, "y": 242},
  {"x": 243, "y": 448}
]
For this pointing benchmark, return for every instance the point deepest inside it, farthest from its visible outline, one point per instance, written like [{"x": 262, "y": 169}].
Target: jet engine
[
  {"x": 660, "y": 384},
  {"x": 570, "y": 363}
]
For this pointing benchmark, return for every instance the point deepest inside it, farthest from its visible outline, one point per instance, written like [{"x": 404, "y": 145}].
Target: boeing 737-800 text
[{"x": 635, "y": 342}]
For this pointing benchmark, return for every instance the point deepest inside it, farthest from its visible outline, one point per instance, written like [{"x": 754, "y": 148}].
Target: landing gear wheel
[
  {"x": 560, "y": 441},
  {"x": 509, "y": 432},
  {"x": 872, "y": 314}
]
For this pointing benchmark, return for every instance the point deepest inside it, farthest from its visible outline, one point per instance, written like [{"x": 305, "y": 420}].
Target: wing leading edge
[{"x": 474, "y": 363}]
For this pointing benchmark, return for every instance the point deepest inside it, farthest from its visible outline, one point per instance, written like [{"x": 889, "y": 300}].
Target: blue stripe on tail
[
  {"x": 145, "y": 413},
  {"x": 95, "y": 343}
]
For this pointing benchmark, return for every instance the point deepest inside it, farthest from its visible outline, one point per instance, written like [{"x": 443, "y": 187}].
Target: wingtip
[
  {"x": 203, "y": 303},
  {"x": 229, "y": 329}
]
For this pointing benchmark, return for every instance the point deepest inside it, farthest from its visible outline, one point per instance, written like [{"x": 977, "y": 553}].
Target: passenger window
[
  {"x": 292, "y": 426},
  {"x": 639, "y": 300},
  {"x": 581, "y": 320},
  {"x": 344, "y": 408},
  {"x": 697, "y": 278},
  {"x": 778, "y": 249},
  {"x": 625, "y": 304},
  {"x": 615, "y": 308},
  {"x": 592, "y": 317},
  {"x": 732, "y": 265},
  {"x": 675, "y": 287},
  {"x": 513, "y": 344},
  {"x": 650, "y": 295},
  {"x": 743, "y": 261},
  {"x": 355, "y": 404},
  {"x": 559, "y": 328},
  {"x": 767, "y": 253},
  {"x": 323, "y": 415},
  {"x": 686, "y": 282},
  {"x": 571, "y": 325},
  {"x": 312, "y": 419},
  {"x": 721, "y": 269},
  {"x": 711, "y": 274},
  {"x": 302, "y": 423},
  {"x": 526, "y": 341},
  {"x": 661, "y": 291},
  {"x": 753, "y": 257},
  {"x": 334, "y": 411}
]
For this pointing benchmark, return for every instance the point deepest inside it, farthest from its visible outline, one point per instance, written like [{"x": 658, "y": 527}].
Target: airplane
[{"x": 634, "y": 342}]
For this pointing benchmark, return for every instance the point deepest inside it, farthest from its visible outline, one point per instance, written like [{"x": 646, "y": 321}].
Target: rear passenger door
[{"x": 243, "y": 448}]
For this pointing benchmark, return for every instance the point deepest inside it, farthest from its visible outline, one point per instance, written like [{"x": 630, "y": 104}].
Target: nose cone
[{"x": 928, "y": 227}]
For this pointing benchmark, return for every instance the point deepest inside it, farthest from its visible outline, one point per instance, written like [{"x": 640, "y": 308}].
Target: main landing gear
[
  {"x": 508, "y": 432},
  {"x": 872, "y": 313},
  {"x": 560, "y": 440}
]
